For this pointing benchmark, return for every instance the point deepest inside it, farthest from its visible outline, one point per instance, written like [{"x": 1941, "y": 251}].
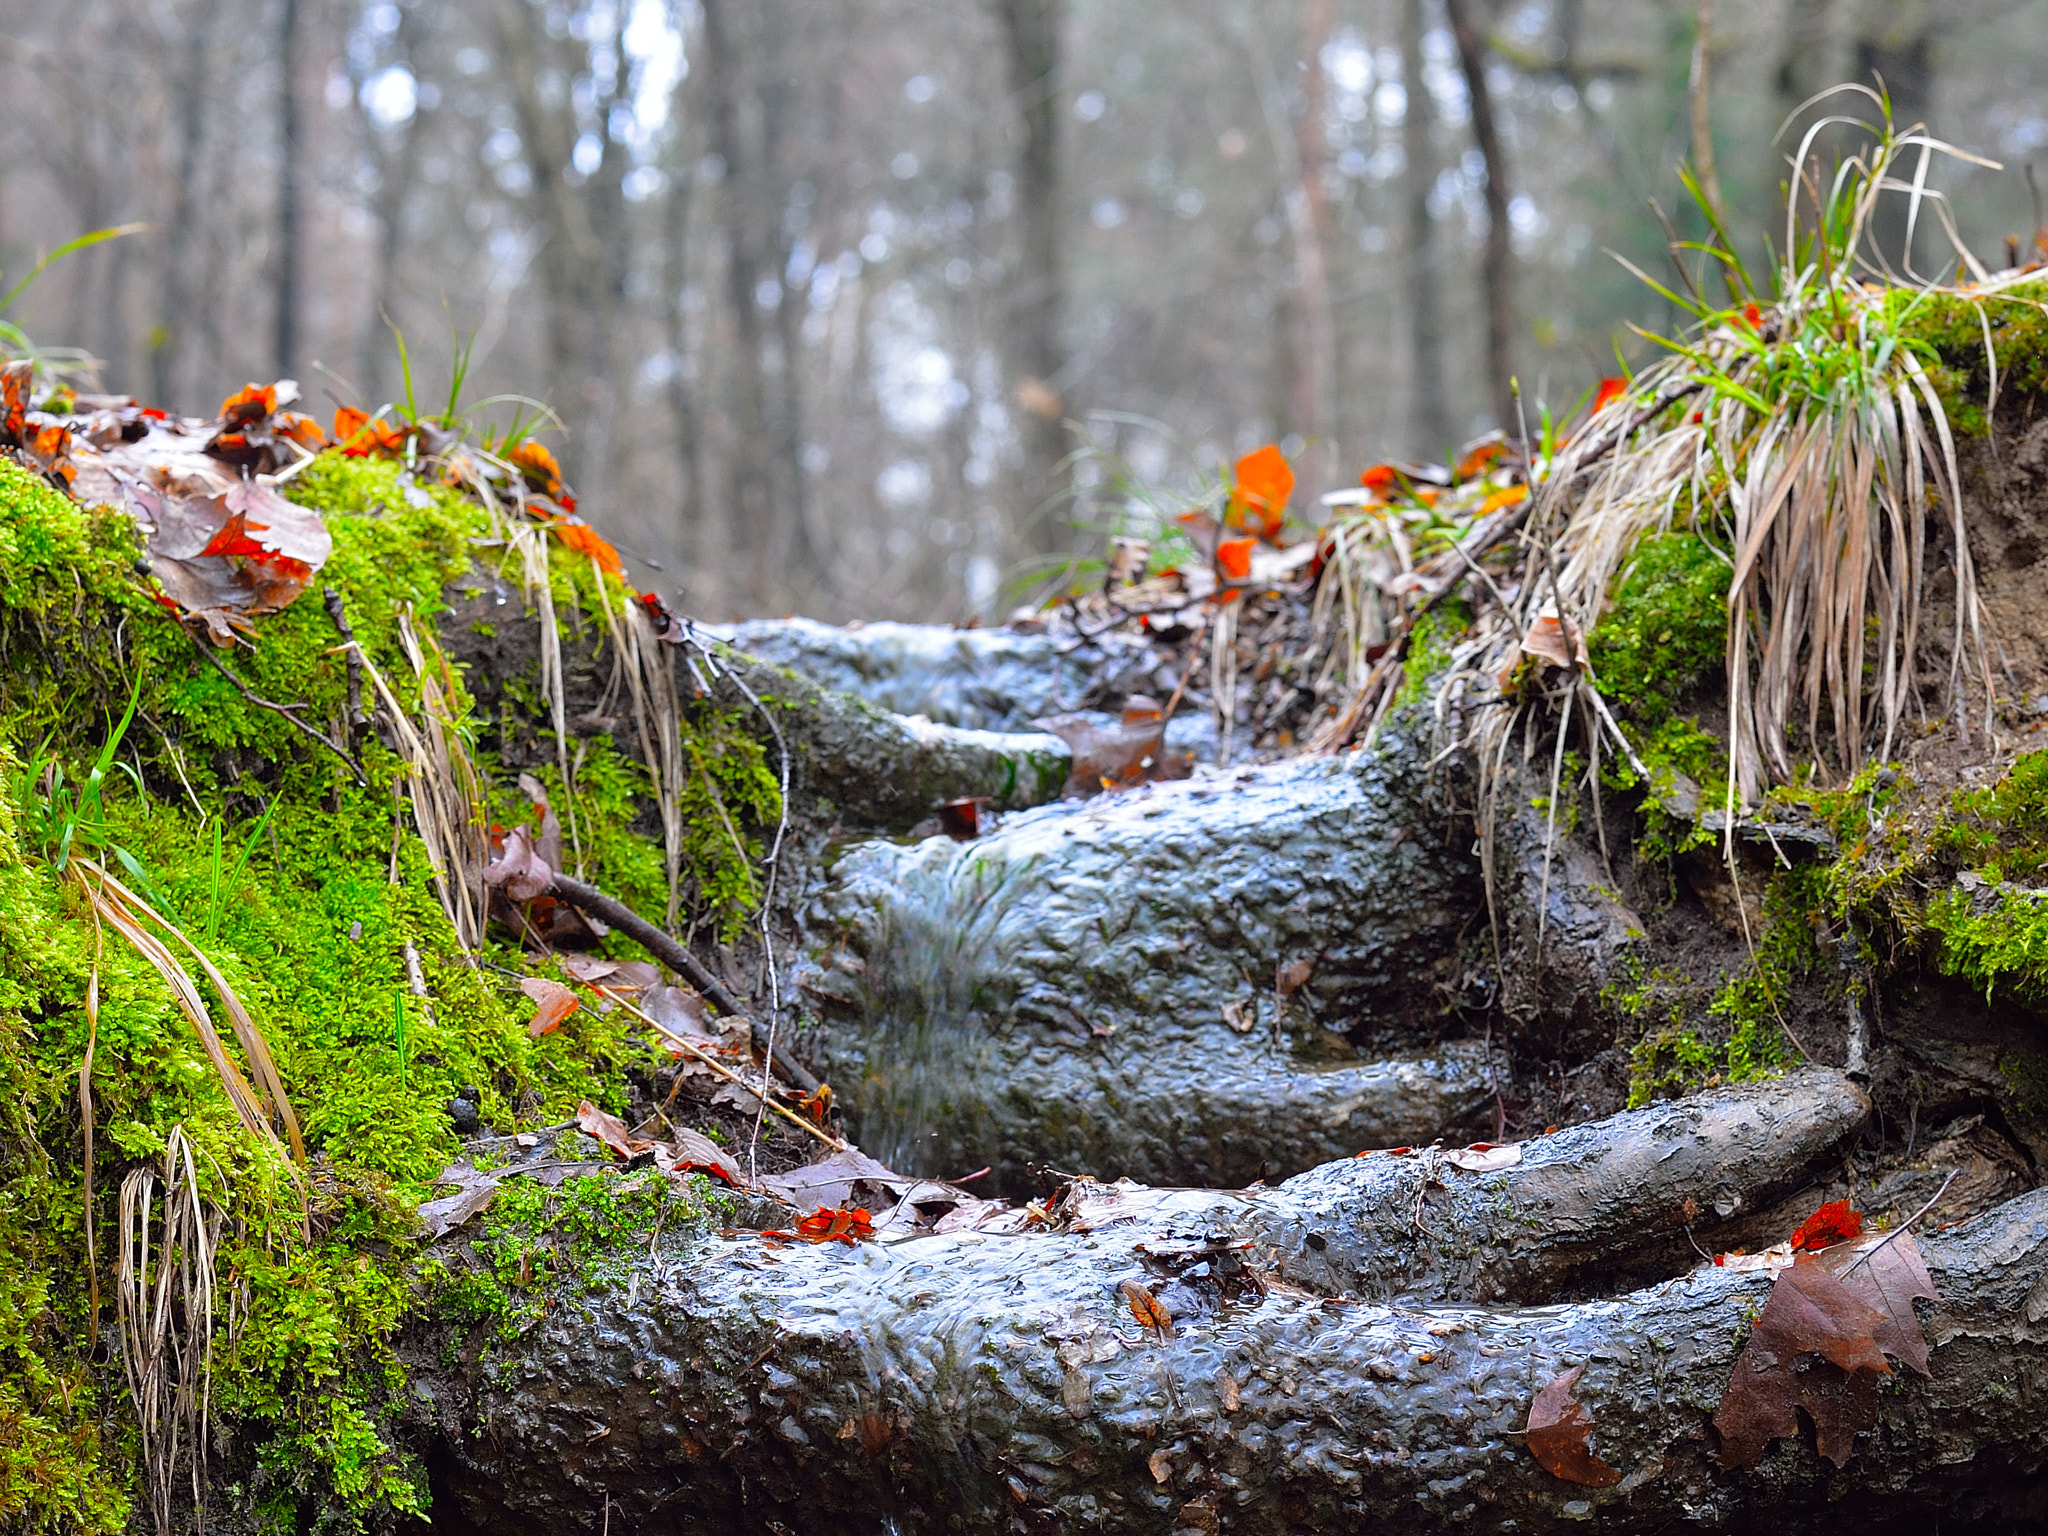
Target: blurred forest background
[{"x": 855, "y": 308}]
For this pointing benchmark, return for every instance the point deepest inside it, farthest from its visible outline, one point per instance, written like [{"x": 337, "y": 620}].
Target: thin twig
[
  {"x": 283, "y": 710},
  {"x": 1871, "y": 1252},
  {"x": 717, "y": 1066}
]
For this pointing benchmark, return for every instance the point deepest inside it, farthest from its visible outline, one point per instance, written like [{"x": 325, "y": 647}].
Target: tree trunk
[
  {"x": 1312, "y": 410},
  {"x": 291, "y": 154},
  {"x": 1497, "y": 268},
  {"x": 1429, "y": 429},
  {"x": 167, "y": 346},
  {"x": 751, "y": 493},
  {"x": 1032, "y": 36}
]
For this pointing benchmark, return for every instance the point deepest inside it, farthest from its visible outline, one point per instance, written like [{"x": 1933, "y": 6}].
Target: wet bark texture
[
  {"x": 1206, "y": 983},
  {"x": 850, "y": 762},
  {"x": 966, "y": 1382},
  {"x": 1202, "y": 982}
]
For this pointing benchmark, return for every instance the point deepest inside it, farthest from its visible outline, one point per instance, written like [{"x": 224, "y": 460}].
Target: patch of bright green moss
[
  {"x": 310, "y": 929},
  {"x": 1664, "y": 637},
  {"x": 1949, "y": 331},
  {"x": 1430, "y": 643}
]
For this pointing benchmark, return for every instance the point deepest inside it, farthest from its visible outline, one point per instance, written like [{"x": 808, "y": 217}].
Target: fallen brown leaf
[{"x": 1559, "y": 1435}]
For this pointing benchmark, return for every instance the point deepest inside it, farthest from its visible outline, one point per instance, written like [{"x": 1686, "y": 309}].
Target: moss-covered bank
[{"x": 305, "y": 887}]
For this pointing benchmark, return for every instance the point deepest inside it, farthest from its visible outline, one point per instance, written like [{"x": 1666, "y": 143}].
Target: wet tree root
[{"x": 975, "y": 1383}]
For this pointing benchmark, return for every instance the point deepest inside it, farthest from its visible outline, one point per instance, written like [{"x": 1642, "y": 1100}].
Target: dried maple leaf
[
  {"x": 1545, "y": 640},
  {"x": 1148, "y": 1309},
  {"x": 607, "y": 1128},
  {"x": 1560, "y": 1431},
  {"x": 1814, "y": 1347},
  {"x": 1559, "y": 1434},
  {"x": 228, "y": 557},
  {"x": 1889, "y": 1273},
  {"x": 694, "y": 1152},
  {"x": 1835, "y": 1222}
]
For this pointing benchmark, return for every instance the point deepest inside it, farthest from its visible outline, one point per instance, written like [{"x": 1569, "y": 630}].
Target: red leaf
[
  {"x": 1610, "y": 390},
  {"x": 1559, "y": 1435},
  {"x": 830, "y": 1224},
  {"x": 1835, "y": 1222}
]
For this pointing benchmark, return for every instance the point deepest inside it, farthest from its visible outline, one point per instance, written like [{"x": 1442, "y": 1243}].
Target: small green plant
[{"x": 58, "y": 821}]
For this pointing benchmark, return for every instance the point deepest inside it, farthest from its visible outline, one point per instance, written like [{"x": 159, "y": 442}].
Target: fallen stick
[
  {"x": 718, "y": 1066},
  {"x": 616, "y": 914}
]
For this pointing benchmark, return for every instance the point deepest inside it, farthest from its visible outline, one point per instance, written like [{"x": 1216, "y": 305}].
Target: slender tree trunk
[
  {"x": 1313, "y": 407},
  {"x": 167, "y": 343},
  {"x": 1429, "y": 430},
  {"x": 290, "y": 153},
  {"x": 1498, "y": 266},
  {"x": 700, "y": 520},
  {"x": 1700, "y": 88},
  {"x": 750, "y": 488},
  {"x": 1032, "y": 34}
]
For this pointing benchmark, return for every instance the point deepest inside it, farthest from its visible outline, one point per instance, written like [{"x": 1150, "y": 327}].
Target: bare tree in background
[
  {"x": 291, "y": 157},
  {"x": 1429, "y": 429},
  {"x": 1497, "y": 268},
  {"x": 1032, "y": 38}
]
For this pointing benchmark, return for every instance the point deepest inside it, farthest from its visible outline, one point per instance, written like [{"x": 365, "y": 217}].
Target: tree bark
[
  {"x": 167, "y": 347},
  {"x": 1032, "y": 34},
  {"x": 1313, "y": 410},
  {"x": 750, "y": 490},
  {"x": 1497, "y": 268},
  {"x": 979, "y": 1382}
]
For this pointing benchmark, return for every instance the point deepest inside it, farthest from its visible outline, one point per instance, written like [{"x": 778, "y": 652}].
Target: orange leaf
[
  {"x": 834, "y": 1223},
  {"x": 584, "y": 539},
  {"x": 1234, "y": 558},
  {"x": 1148, "y": 1309},
  {"x": 1560, "y": 1432},
  {"x": 1754, "y": 316},
  {"x": 1481, "y": 456},
  {"x": 1380, "y": 477},
  {"x": 1514, "y": 495},
  {"x": 1835, "y": 1222},
  {"x": 1610, "y": 390},
  {"x": 348, "y": 421},
  {"x": 1264, "y": 482},
  {"x": 249, "y": 403},
  {"x": 534, "y": 460}
]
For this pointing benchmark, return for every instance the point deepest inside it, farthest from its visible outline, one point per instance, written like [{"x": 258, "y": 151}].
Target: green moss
[
  {"x": 1430, "y": 644},
  {"x": 1949, "y": 332},
  {"x": 1664, "y": 636},
  {"x": 311, "y": 931}
]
